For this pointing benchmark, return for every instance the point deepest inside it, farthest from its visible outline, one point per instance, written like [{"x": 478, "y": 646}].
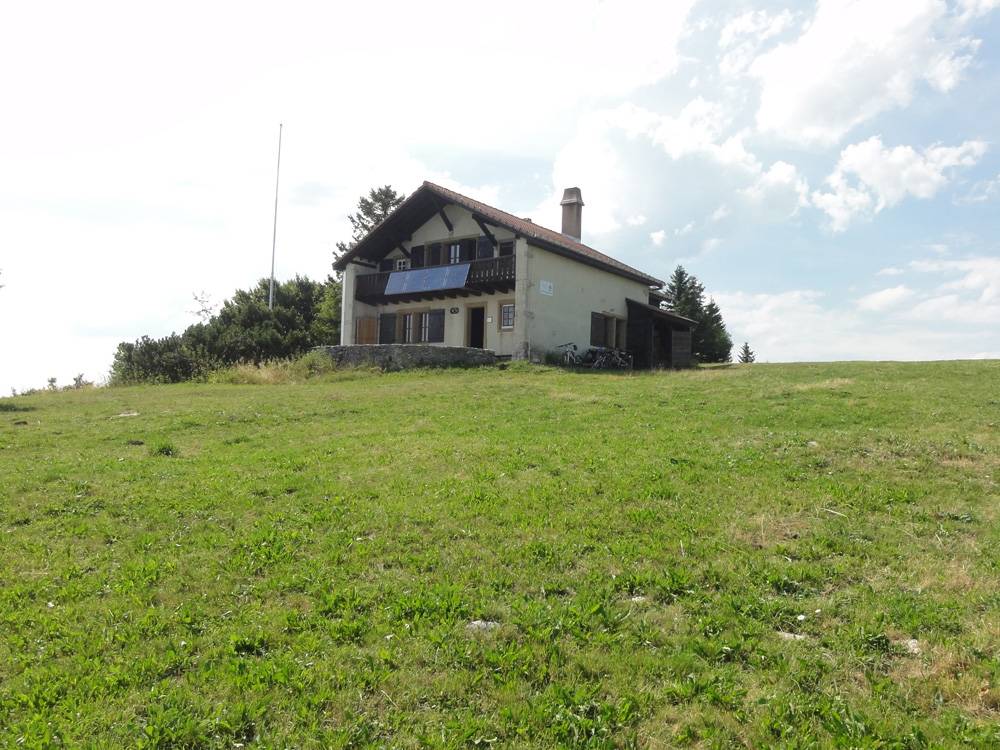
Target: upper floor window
[
  {"x": 402, "y": 264},
  {"x": 506, "y": 247},
  {"x": 454, "y": 252}
]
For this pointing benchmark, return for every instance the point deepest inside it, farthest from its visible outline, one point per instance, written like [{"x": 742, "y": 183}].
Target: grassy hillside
[{"x": 802, "y": 555}]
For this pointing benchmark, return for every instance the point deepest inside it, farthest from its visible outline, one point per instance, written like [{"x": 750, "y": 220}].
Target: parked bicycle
[
  {"x": 569, "y": 356},
  {"x": 610, "y": 359},
  {"x": 598, "y": 358}
]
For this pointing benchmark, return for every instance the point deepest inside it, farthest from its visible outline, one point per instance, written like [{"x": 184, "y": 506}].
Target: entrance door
[{"x": 477, "y": 327}]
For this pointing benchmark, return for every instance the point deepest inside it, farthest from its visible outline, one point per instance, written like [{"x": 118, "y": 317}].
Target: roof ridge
[{"x": 531, "y": 228}]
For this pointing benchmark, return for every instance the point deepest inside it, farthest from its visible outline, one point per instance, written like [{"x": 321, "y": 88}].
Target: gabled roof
[{"x": 427, "y": 200}]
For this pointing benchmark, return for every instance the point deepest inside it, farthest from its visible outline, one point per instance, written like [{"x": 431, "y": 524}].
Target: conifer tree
[
  {"x": 372, "y": 210},
  {"x": 710, "y": 341},
  {"x": 716, "y": 345},
  {"x": 746, "y": 355}
]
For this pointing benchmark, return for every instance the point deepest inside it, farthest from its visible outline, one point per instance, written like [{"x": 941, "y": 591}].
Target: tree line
[{"x": 306, "y": 314}]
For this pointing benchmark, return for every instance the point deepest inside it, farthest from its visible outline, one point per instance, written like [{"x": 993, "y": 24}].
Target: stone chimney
[{"x": 572, "y": 208}]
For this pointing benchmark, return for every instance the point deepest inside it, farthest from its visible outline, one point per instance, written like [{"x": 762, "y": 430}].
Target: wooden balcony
[{"x": 485, "y": 276}]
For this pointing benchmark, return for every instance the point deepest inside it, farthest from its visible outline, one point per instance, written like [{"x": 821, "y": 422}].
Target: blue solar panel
[{"x": 427, "y": 279}]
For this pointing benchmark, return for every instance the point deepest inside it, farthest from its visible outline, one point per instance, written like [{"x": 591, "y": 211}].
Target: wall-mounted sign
[
  {"x": 453, "y": 311},
  {"x": 546, "y": 288}
]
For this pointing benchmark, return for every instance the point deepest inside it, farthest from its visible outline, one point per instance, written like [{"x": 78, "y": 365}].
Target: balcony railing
[{"x": 485, "y": 275}]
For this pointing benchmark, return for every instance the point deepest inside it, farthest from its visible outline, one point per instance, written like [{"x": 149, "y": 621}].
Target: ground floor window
[
  {"x": 424, "y": 327},
  {"x": 507, "y": 315},
  {"x": 407, "y": 328},
  {"x": 607, "y": 331}
]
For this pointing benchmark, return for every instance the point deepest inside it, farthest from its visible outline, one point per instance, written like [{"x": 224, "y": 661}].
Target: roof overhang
[
  {"x": 430, "y": 199},
  {"x": 675, "y": 320}
]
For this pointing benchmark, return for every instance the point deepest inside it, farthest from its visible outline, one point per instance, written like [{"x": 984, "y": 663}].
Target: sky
[{"x": 825, "y": 168}]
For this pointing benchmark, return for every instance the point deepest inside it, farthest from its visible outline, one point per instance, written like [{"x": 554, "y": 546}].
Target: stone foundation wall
[{"x": 391, "y": 357}]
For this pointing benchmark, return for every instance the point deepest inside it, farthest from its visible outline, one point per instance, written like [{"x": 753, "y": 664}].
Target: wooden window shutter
[
  {"x": 386, "y": 264},
  {"x": 467, "y": 250},
  {"x": 435, "y": 327},
  {"x": 484, "y": 249},
  {"x": 596, "y": 329},
  {"x": 387, "y": 328},
  {"x": 434, "y": 254},
  {"x": 417, "y": 256},
  {"x": 367, "y": 331}
]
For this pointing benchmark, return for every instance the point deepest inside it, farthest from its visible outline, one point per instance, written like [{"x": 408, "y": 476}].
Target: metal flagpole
[{"x": 274, "y": 234}]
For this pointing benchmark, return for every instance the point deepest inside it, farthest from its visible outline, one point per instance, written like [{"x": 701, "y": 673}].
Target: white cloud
[
  {"x": 854, "y": 60},
  {"x": 594, "y": 158},
  {"x": 807, "y": 325},
  {"x": 883, "y": 177},
  {"x": 975, "y": 8},
  {"x": 695, "y": 129},
  {"x": 891, "y": 271},
  {"x": 758, "y": 24},
  {"x": 885, "y": 299},
  {"x": 742, "y": 36},
  {"x": 779, "y": 192},
  {"x": 146, "y": 167},
  {"x": 710, "y": 244},
  {"x": 657, "y": 237},
  {"x": 983, "y": 191},
  {"x": 686, "y": 229},
  {"x": 980, "y": 275},
  {"x": 636, "y": 220},
  {"x": 720, "y": 213}
]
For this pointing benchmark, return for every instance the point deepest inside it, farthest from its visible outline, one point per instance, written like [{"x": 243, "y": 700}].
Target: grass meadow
[{"x": 748, "y": 556}]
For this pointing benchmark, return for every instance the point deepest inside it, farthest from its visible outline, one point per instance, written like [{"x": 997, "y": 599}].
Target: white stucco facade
[{"x": 553, "y": 295}]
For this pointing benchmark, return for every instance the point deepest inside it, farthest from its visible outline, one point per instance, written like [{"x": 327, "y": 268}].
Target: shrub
[
  {"x": 306, "y": 314},
  {"x": 166, "y": 360}
]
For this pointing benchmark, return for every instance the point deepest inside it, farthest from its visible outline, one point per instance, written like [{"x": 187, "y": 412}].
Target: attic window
[
  {"x": 402, "y": 264},
  {"x": 506, "y": 247}
]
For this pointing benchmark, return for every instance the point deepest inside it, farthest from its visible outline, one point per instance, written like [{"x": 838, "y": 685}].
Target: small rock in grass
[
  {"x": 135, "y": 442},
  {"x": 482, "y": 626},
  {"x": 912, "y": 646},
  {"x": 126, "y": 414},
  {"x": 791, "y": 636},
  {"x": 51, "y": 605},
  {"x": 638, "y": 598},
  {"x": 801, "y": 618},
  {"x": 813, "y": 444}
]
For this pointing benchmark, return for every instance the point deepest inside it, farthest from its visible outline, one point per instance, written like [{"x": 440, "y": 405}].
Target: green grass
[{"x": 296, "y": 565}]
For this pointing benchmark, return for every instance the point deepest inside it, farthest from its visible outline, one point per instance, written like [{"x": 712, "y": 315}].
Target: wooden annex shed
[{"x": 657, "y": 338}]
